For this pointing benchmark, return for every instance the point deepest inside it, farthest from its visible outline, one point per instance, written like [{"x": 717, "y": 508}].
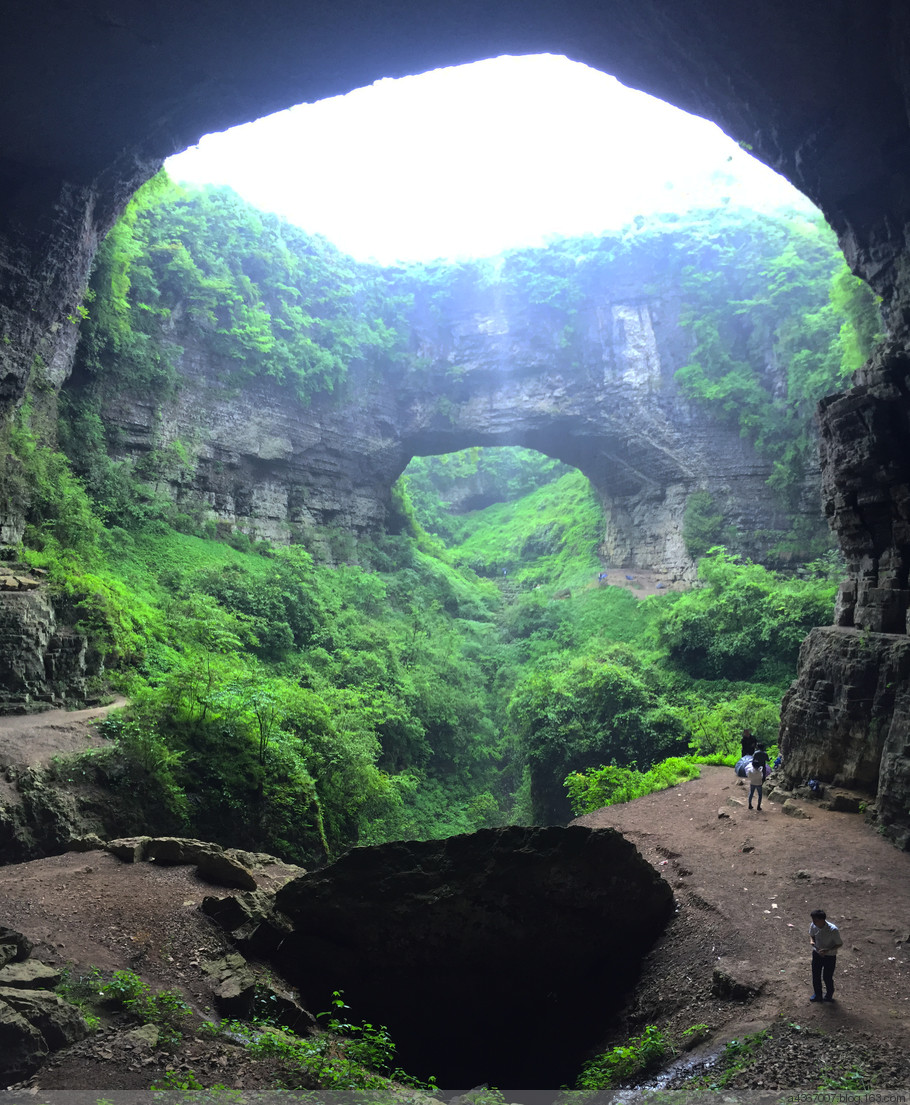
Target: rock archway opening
[{"x": 448, "y": 486}]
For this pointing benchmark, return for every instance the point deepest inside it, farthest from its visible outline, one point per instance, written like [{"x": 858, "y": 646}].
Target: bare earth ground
[
  {"x": 744, "y": 884},
  {"x": 28, "y": 740},
  {"x": 643, "y": 582}
]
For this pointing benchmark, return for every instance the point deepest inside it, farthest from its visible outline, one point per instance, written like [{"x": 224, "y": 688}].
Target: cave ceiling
[{"x": 93, "y": 89}]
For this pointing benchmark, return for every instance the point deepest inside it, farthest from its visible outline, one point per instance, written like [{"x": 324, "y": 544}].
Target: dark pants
[
  {"x": 752, "y": 790},
  {"x": 823, "y": 968}
]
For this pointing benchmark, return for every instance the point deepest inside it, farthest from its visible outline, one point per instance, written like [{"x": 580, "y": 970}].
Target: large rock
[
  {"x": 58, "y": 1022},
  {"x": 845, "y": 720},
  {"x": 214, "y": 864},
  {"x": 22, "y": 1047},
  {"x": 496, "y": 955},
  {"x": 241, "y": 991},
  {"x": 33, "y": 1020},
  {"x": 14, "y": 947},
  {"x": 30, "y": 975}
]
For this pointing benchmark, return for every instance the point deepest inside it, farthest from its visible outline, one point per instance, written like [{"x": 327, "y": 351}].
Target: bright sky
[{"x": 481, "y": 158}]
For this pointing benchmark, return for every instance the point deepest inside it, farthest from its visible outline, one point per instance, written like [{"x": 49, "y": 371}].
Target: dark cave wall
[{"x": 96, "y": 94}]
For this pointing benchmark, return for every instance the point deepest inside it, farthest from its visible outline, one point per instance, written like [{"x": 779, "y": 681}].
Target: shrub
[{"x": 626, "y": 1061}]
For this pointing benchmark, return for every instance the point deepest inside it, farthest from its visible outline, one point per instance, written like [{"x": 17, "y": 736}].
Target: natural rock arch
[
  {"x": 96, "y": 94},
  {"x": 495, "y": 371}
]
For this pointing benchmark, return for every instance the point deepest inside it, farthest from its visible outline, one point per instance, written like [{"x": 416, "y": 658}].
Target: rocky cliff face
[
  {"x": 497, "y": 374},
  {"x": 43, "y": 660},
  {"x": 845, "y": 720}
]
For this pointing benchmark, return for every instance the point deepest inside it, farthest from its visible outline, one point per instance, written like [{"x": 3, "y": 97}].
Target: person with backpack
[
  {"x": 756, "y": 776},
  {"x": 760, "y": 759},
  {"x": 825, "y": 940}
]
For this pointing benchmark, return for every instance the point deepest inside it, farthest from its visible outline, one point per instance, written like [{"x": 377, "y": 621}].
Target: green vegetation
[
  {"x": 264, "y": 298},
  {"x": 461, "y": 674},
  {"x": 125, "y": 991},
  {"x": 744, "y": 622},
  {"x": 605, "y": 786},
  {"x": 342, "y": 1056},
  {"x": 165, "y": 1009},
  {"x": 739, "y": 1055},
  {"x": 626, "y": 1062}
]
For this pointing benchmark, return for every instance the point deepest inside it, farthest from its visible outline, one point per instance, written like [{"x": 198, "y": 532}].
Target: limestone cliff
[
  {"x": 43, "y": 660},
  {"x": 497, "y": 373}
]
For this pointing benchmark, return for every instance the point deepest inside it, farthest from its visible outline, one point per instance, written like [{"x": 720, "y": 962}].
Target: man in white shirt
[{"x": 825, "y": 940}]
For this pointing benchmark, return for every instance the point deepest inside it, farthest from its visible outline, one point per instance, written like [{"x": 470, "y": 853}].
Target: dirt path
[
  {"x": 641, "y": 582},
  {"x": 745, "y": 882},
  {"x": 30, "y": 739}
]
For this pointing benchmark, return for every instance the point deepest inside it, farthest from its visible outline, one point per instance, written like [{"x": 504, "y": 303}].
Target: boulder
[
  {"x": 223, "y": 869},
  {"x": 844, "y": 801},
  {"x": 58, "y": 1022},
  {"x": 145, "y": 1037},
  {"x": 237, "y": 911},
  {"x": 30, "y": 975},
  {"x": 91, "y": 842},
  {"x": 793, "y": 809},
  {"x": 242, "y": 992},
  {"x": 22, "y": 1048},
  {"x": 129, "y": 849},
  {"x": 14, "y": 947},
  {"x": 522, "y": 942},
  {"x": 172, "y": 851}
]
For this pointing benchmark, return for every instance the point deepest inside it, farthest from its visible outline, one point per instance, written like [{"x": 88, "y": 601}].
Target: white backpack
[{"x": 755, "y": 775}]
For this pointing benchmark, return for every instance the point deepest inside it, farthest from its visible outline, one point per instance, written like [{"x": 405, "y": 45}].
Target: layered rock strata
[
  {"x": 43, "y": 660},
  {"x": 497, "y": 374},
  {"x": 846, "y": 720},
  {"x": 33, "y": 1019}
]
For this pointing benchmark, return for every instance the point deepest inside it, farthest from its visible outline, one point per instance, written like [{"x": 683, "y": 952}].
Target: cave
[{"x": 97, "y": 95}]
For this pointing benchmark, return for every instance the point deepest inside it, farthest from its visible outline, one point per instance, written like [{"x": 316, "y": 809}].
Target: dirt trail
[
  {"x": 745, "y": 882},
  {"x": 27, "y": 740}
]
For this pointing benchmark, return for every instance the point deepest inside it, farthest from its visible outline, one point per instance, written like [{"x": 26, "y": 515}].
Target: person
[
  {"x": 748, "y": 743},
  {"x": 756, "y": 777},
  {"x": 760, "y": 759},
  {"x": 825, "y": 939}
]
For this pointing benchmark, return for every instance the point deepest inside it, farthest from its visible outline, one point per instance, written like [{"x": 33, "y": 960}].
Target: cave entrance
[{"x": 532, "y": 168}]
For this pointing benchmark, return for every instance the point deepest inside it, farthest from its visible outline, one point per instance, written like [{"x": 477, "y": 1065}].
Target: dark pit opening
[{"x": 499, "y": 956}]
